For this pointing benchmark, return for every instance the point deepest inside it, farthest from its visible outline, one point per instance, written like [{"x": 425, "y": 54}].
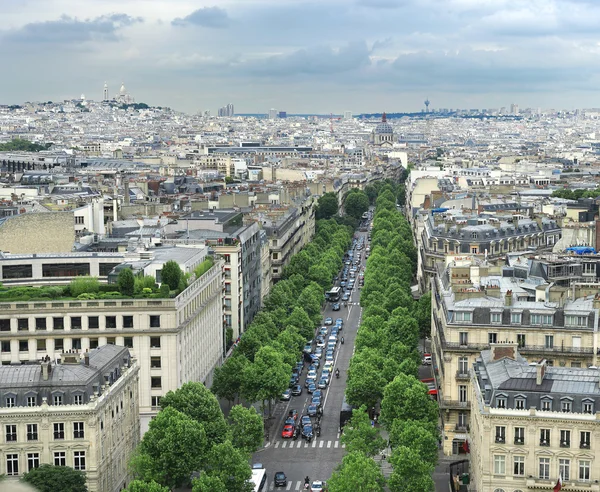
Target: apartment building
[
  {"x": 532, "y": 423},
  {"x": 81, "y": 412},
  {"x": 475, "y": 304},
  {"x": 175, "y": 340}
]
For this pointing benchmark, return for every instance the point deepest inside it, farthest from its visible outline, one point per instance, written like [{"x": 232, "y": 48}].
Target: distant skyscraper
[
  {"x": 347, "y": 115},
  {"x": 282, "y": 114},
  {"x": 514, "y": 109},
  {"x": 226, "y": 110},
  {"x": 105, "y": 93},
  {"x": 272, "y": 114}
]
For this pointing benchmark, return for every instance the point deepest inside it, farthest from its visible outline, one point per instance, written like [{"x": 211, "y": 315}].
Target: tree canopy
[
  {"x": 356, "y": 204},
  {"x": 171, "y": 274},
  {"x": 357, "y": 473},
  {"x": 50, "y": 478},
  {"x": 246, "y": 428},
  {"x": 327, "y": 206}
]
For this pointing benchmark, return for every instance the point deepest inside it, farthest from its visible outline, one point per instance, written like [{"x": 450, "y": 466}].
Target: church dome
[{"x": 384, "y": 127}]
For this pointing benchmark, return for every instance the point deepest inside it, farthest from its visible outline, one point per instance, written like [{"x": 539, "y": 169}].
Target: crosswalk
[
  {"x": 316, "y": 443},
  {"x": 291, "y": 485}
]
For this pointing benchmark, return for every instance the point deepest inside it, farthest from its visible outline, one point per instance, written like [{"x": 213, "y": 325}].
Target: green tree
[
  {"x": 410, "y": 473},
  {"x": 360, "y": 436},
  {"x": 406, "y": 398},
  {"x": 141, "y": 486},
  {"x": 227, "y": 381},
  {"x": 204, "y": 267},
  {"x": 50, "y": 478},
  {"x": 418, "y": 436},
  {"x": 208, "y": 483},
  {"x": 246, "y": 428},
  {"x": 327, "y": 206},
  {"x": 422, "y": 314},
  {"x": 174, "y": 447},
  {"x": 126, "y": 282},
  {"x": 365, "y": 385},
  {"x": 301, "y": 320},
  {"x": 197, "y": 402},
  {"x": 356, "y": 204},
  {"x": 171, "y": 274},
  {"x": 84, "y": 285},
  {"x": 231, "y": 466},
  {"x": 357, "y": 473}
]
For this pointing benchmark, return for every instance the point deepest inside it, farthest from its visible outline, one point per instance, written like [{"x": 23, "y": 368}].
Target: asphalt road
[{"x": 318, "y": 459}]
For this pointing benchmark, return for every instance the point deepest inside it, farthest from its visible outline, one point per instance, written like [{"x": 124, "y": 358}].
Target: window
[
  {"x": 521, "y": 340},
  {"x": 59, "y": 430},
  {"x": 93, "y": 343},
  {"x": 32, "y": 432},
  {"x": 572, "y": 320},
  {"x": 499, "y": 464},
  {"x": 12, "y": 464},
  {"x": 78, "y": 432},
  {"x": 515, "y": 318},
  {"x": 10, "y": 401},
  {"x": 155, "y": 382},
  {"x": 4, "y": 324},
  {"x": 17, "y": 271},
  {"x": 547, "y": 405},
  {"x": 544, "y": 468},
  {"x": 127, "y": 321},
  {"x": 519, "y": 465},
  {"x": 79, "y": 460},
  {"x": 492, "y": 337},
  {"x": 23, "y": 324},
  {"x": 462, "y": 419},
  {"x": 585, "y": 437},
  {"x": 463, "y": 338},
  {"x": 156, "y": 401},
  {"x": 77, "y": 399},
  {"x": 584, "y": 470},
  {"x": 105, "y": 268},
  {"x": 463, "y": 316},
  {"x": 93, "y": 322},
  {"x": 496, "y": 318},
  {"x": 565, "y": 438},
  {"x": 59, "y": 344},
  {"x": 462, "y": 393},
  {"x": 41, "y": 344},
  {"x": 111, "y": 322},
  {"x": 57, "y": 399},
  {"x": 500, "y": 434},
  {"x": 549, "y": 341},
  {"x": 79, "y": 219},
  {"x": 76, "y": 343},
  {"x": 111, "y": 341},
  {"x": 5, "y": 346},
  {"x": 575, "y": 364},
  {"x": 519, "y": 435},
  {"x": 60, "y": 458},
  {"x": 40, "y": 324},
  {"x": 545, "y": 437},
  {"x": 128, "y": 342},
  {"x": 588, "y": 407},
  {"x": 11, "y": 433},
  {"x": 463, "y": 365},
  {"x": 33, "y": 461},
  {"x": 501, "y": 402},
  {"x": 155, "y": 363},
  {"x": 23, "y": 346},
  {"x": 75, "y": 322},
  {"x": 58, "y": 323},
  {"x": 154, "y": 321},
  {"x": 565, "y": 406},
  {"x": 520, "y": 403},
  {"x": 66, "y": 270},
  {"x": 154, "y": 342},
  {"x": 564, "y": 468},
  {"x": 541, "y": 319},
  {"x": 31, "y": 401}
]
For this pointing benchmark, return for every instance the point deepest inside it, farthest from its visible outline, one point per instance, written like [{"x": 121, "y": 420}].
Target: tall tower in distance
[
  {"x": 427, "y": 105},
  {"x": 105, "y": 93}
]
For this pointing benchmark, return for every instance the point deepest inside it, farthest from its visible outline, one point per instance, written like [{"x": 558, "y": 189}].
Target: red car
[{"x": 287, "y": 432}]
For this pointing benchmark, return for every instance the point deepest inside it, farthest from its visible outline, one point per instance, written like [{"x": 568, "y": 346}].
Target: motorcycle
[
  {"x": 337, "y": 374},
  {"x": 342, "y": 340}
]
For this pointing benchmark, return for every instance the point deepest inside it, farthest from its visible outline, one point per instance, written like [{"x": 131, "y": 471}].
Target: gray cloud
[
  {"x": 72, "y": 30},
  {"x": 214, "y": 17},
  {"x": 381, "y": 4}
]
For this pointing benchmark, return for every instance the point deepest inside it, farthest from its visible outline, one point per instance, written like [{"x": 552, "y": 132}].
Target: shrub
[
  {"x": 126, "y": 282},
  {"x": 165, "y": 291},
  {"x": 171, "y": 274},
  {"x": 82, "y": 285}
]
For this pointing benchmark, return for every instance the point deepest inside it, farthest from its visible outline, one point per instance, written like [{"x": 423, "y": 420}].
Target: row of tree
[
  {"x": 569, "y": 194},
  {"x": 384, "y": 368}
]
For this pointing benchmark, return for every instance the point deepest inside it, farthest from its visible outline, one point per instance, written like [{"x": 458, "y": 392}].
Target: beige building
[
  {"x": 81, "y": 413},
  {"x": 532, "y": 423},
  {"x": 48, "y": 232}
]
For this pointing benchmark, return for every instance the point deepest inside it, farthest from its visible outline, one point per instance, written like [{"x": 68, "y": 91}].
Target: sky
[{"x": 304, "y": 56}]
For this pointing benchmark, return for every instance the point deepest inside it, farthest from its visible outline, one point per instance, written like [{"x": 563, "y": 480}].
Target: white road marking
[
  {"x": 289, "y": 486},
  {"x": 297, "y": 486},
  {"x": 314, "y": 444},
  {"x": 284, "y": 444},
  {"x": 277, "y": 444},
  {"x": 336, "y": 444},
  {"x": 299, "y": 444},
  {"x": 321, "y": 444},
  {"x": 328, "y": 444}
]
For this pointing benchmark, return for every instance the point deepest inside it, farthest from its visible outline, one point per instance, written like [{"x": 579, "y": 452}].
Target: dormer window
[
  {"x": 587, "y": 406},
  {"x": 541, "y": 319},
  {"x": 11, "y": 401},
  {"x": 463, "y": 316},
  {"x": 473, "y": 235},
  {"x": 566, "y": 405},
  {"x": 520, "y": 402},
  {"x": 501, "y": 401},
  {"x": 546, "y": 404}
]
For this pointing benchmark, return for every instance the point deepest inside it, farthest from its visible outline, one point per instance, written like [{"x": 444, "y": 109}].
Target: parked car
[
  {"x": 296, "y": 390},
  {"x": 286, "y": 395},
  {"x": 280, "y": 479}
]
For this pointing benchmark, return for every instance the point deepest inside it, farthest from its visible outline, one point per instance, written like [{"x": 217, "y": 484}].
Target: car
[
  {"x": 331, "y": 345},
  {"x": 306, "y": 420},
  {"x": 339, "y": 321},
  {"x": 328, "y": 365},
  {"x": 293, "y": 413},
  {"x": 317, "y": 486},
  {"x": 300, "y": 366},
  {"x": 307, "y": 431},
  {"x": 316, "y": 400},
  {"x": 319, "y": 352},
  {"x": 326, "y": 373},
  {"x": 311, "y": 387},
  {"x": 320, "y": 342},
  {"x": 329, "y": 358},
  {"x": 346, "y": 297},
  {"x": 343, "y": 285},
  {"x": 307, "y": 348},
  {"x": 426, "y": 359},
  {"x": 334, "y": 331},
  {"x": 312, "y": 374},
  {"x": 289, "y": 420},
  {"x": 288, "y": 431},
  {"x": 328, "y": 321},
  {"x": 312, "y": 410},
  {"x": 336, "y": 306},
  {"x": 286, "y": 395},
  {"x": 315, "y": 362},
  {"x": 318, "y": 394},
  {"x": 280, "y": 479},
  {"x": 323, "y": 331},
  {"x": 322, "y": 383},
  {"x": 293, "y": 381},
  {"x": 332, "y": 338},
  {"x": 296, "y": 390}
]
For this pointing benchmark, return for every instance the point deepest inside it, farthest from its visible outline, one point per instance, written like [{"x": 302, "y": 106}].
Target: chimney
[
  {"x": 46, "y": 368},
  {"x": 508, "y": 298},
  {"x": 86, "y": 358},
  {"x": 506, "y": 350},
  {"x": 540, "y": 371}
]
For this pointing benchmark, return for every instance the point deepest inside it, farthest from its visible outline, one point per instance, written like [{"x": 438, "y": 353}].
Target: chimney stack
[
  {"x": 540, "y": 371},
  {"x": 506, "y": 350},
  {"x": 508, "y": 298},
  {"x": 46, "y": 368},
  {"x": 86, "y": 358}
]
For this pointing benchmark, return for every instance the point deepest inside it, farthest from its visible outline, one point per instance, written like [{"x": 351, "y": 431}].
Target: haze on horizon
[{"x": 304, "y": 56}]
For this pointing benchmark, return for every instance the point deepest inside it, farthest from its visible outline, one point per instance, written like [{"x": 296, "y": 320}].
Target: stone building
[{"x": 44, "y": 232}]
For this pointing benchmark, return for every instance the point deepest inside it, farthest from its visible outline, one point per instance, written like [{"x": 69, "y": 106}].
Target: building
[
  {"x": 226, "y": 111},
  {"x": 383, "y": 134},
  {"x": 175, "y": 340},
  {"x": 44, "y": 232},
  {"x": 532, "y": 423},
  {"x": 272, "y": 113},
  {"x": 81, "y": 412},
  {"x": 475, "y": 304}
]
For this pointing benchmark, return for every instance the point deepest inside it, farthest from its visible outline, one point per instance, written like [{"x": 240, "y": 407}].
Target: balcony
[
  {"x": 462, "y": 375},
  {"x": 542, "y": 349},
  {"x": 454, "y": 404},
  {"x": 534, "y": 483},
  {"x": 584, "y": 445},
  {"x": 519, "y": 441},
  {"x": 500, "y": 440},
  {"x": 461, "y": 428}
]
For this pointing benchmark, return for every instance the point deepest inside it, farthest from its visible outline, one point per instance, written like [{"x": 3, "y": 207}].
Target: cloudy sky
[{"x": 305, "y": 56}]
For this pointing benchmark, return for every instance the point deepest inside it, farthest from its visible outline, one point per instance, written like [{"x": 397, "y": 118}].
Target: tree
[
  {"x": 172, "y": 449},
  {"x": 196, "y": 401},
  {"x": 227, "y": 381},
  {"x": 84, "y": 285},
  {"x": 126, "y": 282},
  {"x": 231, "y": 466},
  {"x": 49, "y": 478},
  {"x": 410, "y": 472},
  {"x": 360, "y": 436},
  {"x": 327, "y": 206},
  {"x": 406, "y": 398},
  {"x": 418, "y": 436},
  {"x": 356, "y": 204},
  {"x": 422, "y": 314},
  {"x": 365, "y": 385},
  {"x": 208, "y": 483},
  {"x": 171, "y": 274},
  {"x": 301, "y": 320},
  {"x": 246, "y": 428},
  {"x": 141, "y": 486},
  {"x": 358, "y": 473}
]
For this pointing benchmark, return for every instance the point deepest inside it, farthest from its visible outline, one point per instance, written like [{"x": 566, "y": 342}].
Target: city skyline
[{"x": 305, "y": 57}]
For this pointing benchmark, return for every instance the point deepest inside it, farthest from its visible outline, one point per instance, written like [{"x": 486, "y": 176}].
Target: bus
[
  {"x": 258, "y": 479},
  {"x": 334, "y": 294},
  {"x": 345, "y": 413}
]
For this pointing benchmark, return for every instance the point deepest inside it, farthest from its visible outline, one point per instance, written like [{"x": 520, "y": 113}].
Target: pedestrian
[{"x": 372, "y": 423}]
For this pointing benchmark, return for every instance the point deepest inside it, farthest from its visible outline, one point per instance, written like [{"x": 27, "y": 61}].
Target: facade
[
  {"x": 175, "y": 340},
  {"x": 475, "y": 304},
  {"x": 44, "y": 232},
  {"x": 265, "y": 262},
  {"x": 532, "y": 423},
  {"x": 81, "y": 413}
]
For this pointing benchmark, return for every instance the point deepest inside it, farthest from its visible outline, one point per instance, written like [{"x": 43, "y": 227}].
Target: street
[{"x": 318, "y": 459}]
